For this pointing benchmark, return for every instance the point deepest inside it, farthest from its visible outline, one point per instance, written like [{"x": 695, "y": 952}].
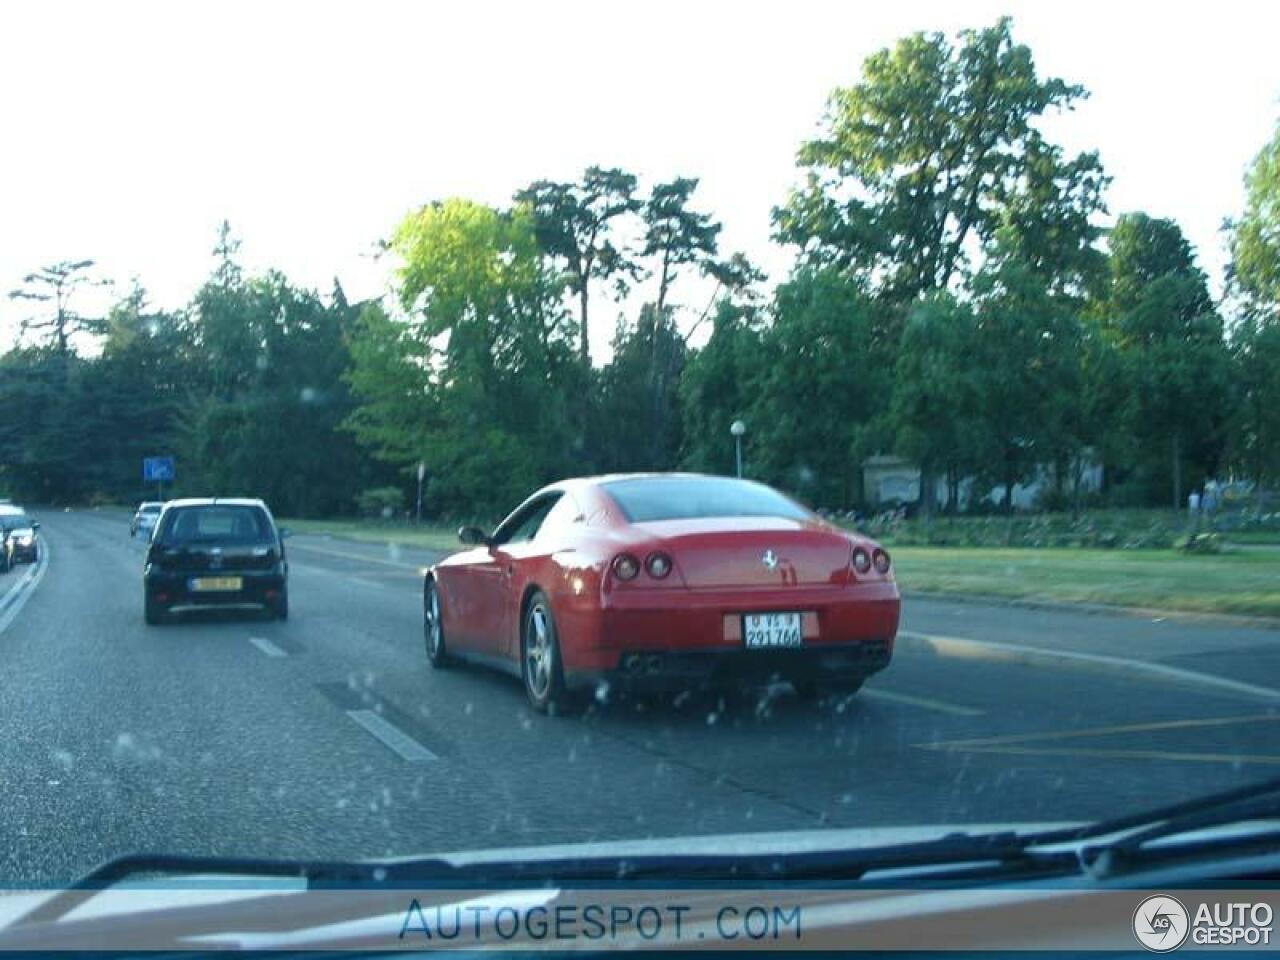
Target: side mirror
[
  {"x": 35, "y": 525},
  {"x": 285, "y": 533},
  {"x": 473, "y": 537}
]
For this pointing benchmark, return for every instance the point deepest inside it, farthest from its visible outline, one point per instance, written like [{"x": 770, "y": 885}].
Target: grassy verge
[
  {"x": 1244, "y": 582},
  {"x": 427, "y": 537}
]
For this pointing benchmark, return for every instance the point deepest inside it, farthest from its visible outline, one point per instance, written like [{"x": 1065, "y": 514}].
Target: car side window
[
  {"x": 524, "y": 526},
  {"x": 563, "y": 516}
]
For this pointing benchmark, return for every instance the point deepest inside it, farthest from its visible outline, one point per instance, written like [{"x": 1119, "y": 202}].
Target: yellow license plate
[{"x": 216, "y": 584}]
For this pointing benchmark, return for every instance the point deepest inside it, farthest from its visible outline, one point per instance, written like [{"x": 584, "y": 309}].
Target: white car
[{"x": 144, "y": 519}]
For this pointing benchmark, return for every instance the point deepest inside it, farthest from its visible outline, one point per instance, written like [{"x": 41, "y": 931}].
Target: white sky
[{"x": 130, "y": 130}]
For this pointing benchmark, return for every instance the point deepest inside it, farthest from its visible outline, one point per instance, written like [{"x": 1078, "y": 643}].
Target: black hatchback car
[{"x": 216, "y": 553}]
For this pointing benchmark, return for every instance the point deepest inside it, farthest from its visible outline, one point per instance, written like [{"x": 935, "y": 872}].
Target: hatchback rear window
[
  {"x": 683, "y": 498},
  {"x": 234, "y": 524}
]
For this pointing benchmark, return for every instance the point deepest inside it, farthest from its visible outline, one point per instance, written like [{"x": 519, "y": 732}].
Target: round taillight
[
  {"x": 625, "y": 566},
  {"x": 658, "y": 565},
  {"x": 881, "y": 561},
  {"x": 861, "y": 560}
]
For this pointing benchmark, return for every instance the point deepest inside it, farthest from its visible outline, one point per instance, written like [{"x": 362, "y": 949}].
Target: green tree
[
  {"x": 676, "y": 235},
  {"x": 921, "y": 162},
  {"x": 1025, "y": 362},
  {"x": 933, "y": 402},
  {"x": 1254, "y": 281},
  {"x": 1164, "y": 321},
  {"x": 575, "y": 224},
  {"x": 53, "y": 288},
  {"x": 639, "y": 421},
  {"x": 822, "y": 388},
  {"x": 1254, "y": 271},
  {"x": 479, "y": 377},
  {"x": 717, "y": 387}
]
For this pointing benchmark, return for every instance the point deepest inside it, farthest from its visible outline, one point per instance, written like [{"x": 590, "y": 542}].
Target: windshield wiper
[{"x": 1256, "y": 801}]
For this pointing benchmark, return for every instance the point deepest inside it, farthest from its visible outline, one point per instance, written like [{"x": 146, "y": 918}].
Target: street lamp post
[{"x": 738, "y": 429}]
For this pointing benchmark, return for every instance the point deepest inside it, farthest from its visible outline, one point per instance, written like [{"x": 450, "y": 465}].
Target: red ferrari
[{"x": 663, "y": 581}]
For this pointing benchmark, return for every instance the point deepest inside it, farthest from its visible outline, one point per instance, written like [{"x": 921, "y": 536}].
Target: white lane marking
[
  {"x": 17, "y": 596},
  {"x": 267, "y": 647},
  {"x": 1015, "y": 652},
  {"x": 392, "y": 736},
  {"x": 954, "y": 709}
]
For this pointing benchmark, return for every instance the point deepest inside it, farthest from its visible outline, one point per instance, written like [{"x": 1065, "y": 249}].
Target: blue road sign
[{"x": 158, "y": 469}]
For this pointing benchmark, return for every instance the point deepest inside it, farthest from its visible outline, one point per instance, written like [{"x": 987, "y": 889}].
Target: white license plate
[
  {"x": 215, "y": 584},
  {"x": 763, "y": 630}
]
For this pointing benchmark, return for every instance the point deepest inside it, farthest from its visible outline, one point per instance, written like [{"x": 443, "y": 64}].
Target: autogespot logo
[{"x": 1161, "y": 923}]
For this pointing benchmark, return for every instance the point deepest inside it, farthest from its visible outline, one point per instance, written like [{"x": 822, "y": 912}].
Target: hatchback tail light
[
  {"x": 881, "y": 561},
  {"x": 625, "y": 566}
]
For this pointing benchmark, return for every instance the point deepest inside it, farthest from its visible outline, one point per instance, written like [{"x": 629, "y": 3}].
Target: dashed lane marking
[
  {"x": 392, "y": 737},
  {"x": 267, "y": 647}
]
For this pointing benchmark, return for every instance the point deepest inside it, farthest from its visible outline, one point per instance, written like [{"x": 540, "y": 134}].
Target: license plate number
[
  {"x": 215, "y": 584},
  {"x": 763, "y": 630}
]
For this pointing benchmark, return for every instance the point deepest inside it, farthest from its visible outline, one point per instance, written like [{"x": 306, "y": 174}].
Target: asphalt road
[{"x": 330, "y": 736}]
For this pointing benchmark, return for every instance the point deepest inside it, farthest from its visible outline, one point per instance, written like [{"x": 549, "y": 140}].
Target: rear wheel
[
  {"x": 432, "y": 626},
  {"x": 281, "y": 607},
  {"x": 5, "y": 562},
  {"x": 814, "y": 688},
  {"x": 540, "y": 662},
  {"x": 153, "y": 612}
]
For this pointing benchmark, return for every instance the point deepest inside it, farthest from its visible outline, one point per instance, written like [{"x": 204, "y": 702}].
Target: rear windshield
[
  {"x": 682, "y": 498},
  {"x": 230, "y": 524},
  {"x": 14, "y": 521}
]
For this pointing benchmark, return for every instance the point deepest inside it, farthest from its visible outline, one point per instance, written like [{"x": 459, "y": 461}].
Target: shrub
[{"x": 385, "y": 502}]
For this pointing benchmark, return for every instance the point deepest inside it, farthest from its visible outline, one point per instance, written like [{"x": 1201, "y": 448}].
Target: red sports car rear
[{"x": 664, "y": 581}]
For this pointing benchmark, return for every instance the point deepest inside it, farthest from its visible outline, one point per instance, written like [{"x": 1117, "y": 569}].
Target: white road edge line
[
  {"x": 267, "y": 647},
  {"x": 392, "y": 736},
  {"x": 1095, "y": 661},
  {"x": 954, "y": 709},
  {"x": 17, "y": 596}
]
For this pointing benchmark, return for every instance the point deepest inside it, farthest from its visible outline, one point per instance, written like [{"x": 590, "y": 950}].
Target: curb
[
  {"x": 1104, "y": 609},
  {"x": 1096, "y": 662}
]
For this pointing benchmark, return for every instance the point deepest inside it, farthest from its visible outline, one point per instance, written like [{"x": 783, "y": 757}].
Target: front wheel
[
  {"x": 433, "y": 627},
  {"x": 541, "y": 665}
]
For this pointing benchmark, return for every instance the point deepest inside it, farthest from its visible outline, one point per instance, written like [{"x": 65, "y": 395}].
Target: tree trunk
[
  {"x": 584, "y": 335},
  {"x": 927, "y": 497},
  {"x": 1177, "y": 472},
  {"x": 1077, "y": 478}
]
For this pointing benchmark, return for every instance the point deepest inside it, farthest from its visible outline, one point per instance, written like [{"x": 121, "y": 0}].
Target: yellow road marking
[
  {"x": 954, "y": 709},
  {"x": 356, "y": 556},
  {"x": 1103, "y": 731},
  {"x": 1115, "y": 753}
]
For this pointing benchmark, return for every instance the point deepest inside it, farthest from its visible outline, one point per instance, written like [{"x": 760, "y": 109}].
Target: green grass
[
  {"x": 426, "y": 536},
  {"x": 1243, "y": 582}
]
